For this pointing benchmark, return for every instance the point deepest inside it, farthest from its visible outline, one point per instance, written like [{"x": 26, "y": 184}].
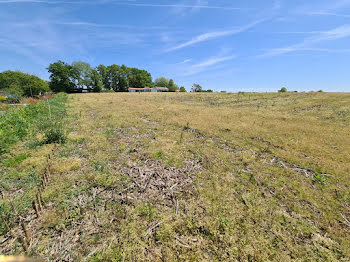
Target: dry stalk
[
  {"x": 47, "y": 171},
  {"x": 346, "y": 221},
  {"x": 150, "y": 230},
  {"x": 43, "y": 181},
  {"x": 5, "y": 223},
  {"x": 26, "y": 232},
  {"x": 40, "y": 207},
  {"x": 45, "y": 178},
  {"x": 35, "y": 209},
  {"x": 24, "y": 244},
  {"x": 41, "y": 197}
]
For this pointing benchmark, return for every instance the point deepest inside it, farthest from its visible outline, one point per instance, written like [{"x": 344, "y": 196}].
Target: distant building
[{"x": 156, "y": 89}]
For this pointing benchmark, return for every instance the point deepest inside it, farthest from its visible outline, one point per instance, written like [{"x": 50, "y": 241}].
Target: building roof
[
  {"x": 161, "y": 88},
  {"x": 140, "y": 89},
  {"x": 149, "y": 88}
]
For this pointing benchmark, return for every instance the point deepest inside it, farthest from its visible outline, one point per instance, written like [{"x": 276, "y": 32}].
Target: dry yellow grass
[{"x": 211, "y": 177}]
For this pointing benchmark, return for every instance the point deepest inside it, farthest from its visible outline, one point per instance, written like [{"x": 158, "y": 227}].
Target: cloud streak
[
  {"x": 37, "y": 2},
  {"x": 331, "y": 35},
  {"x": 198, "y": 6},
  {"x": 128, "y": 3},
  {"x": 323, "y": 13},
  {"x": 331, "y": 10},
  {"x": 214, "y": 35},
  {"x": 213, "y": 61},
  {"x": 205, "y": 65}
]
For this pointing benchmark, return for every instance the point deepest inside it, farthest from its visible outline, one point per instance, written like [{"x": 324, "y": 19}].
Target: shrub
[
  {"x": 320, "y": 179},
  {"x": 282, "y": 90},
  {"x": 55, "y": 134}
]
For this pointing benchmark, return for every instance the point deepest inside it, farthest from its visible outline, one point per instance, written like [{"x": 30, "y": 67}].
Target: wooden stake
[
  {"x": 35, "y": 209},
  {"x": 5, "y": 223},
  {"x": 44, "y": 179},
  {"x": 43, "y": 183},
  {"x": 48, "y": 169},
  {"x": 41, "y": 197},
  {"x": 39, "y": 202},
  {"x": 24, "y": 244},
  {"x": 26, "y": 232}
]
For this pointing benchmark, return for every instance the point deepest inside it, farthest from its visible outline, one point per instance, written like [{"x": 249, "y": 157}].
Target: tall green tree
[
  {"x": 183, "y": 89},
  {"x": 123, "y": 79},
  {"x": 282, "y": 90},
  {"x": 62, "y": 77},
  {"x": 139, "y": 78},
  {"x": 118, "y": 77},
  {"x": 172, "y": 86},
  {"x": 196, "y": 88},
  {"x": 104, "y": 73},
  {"x": 82, "y": 72},
  {"x": 96, "y": 84},
  {"x": 22, "y": 84},
  {"x": 161, "y": 82}
]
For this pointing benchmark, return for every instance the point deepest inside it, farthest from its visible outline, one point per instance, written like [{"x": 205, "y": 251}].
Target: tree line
[{"x": 80, "y": 76}]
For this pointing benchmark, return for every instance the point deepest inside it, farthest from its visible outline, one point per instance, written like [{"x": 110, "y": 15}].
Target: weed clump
[
  {"x": 320, "y": 179},
  {"x": 54, "y": 135}
]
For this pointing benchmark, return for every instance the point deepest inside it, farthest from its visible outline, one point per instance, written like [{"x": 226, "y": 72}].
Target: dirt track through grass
[{"x": 213, "y": 177}]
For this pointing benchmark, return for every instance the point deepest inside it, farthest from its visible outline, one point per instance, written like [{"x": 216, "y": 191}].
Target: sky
[{"x": 232, "y": 45}]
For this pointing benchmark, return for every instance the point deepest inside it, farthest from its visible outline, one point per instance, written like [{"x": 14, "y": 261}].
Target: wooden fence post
[
  {"x": 26, "y": 232},
  {"x": 24, "y": 244},
  {"x": 35, "y": 209}
]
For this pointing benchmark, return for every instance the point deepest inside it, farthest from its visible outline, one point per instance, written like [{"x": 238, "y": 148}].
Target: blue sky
[{"x": 233, "y": 45}]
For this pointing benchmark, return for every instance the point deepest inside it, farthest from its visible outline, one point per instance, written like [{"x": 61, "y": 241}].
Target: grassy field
[{"x": 187, "y": 177}]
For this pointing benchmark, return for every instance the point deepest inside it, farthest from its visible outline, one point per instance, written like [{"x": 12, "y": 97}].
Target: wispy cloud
[
  {"x": 122, "y": 26},
  {"x": 330, "y": 9},
  {"x": 323, "y": 13},
  {"x": 208, "y": 64},
  {"x": 214, "y": 35},
  {"x": 195, "y": 6},
  {"x": 308, "y": 43},
  {"x": 200, "y": 4},
  {"x": 43, "y": 41},
  {"x": 39, "y": 2},
  {"x": 184, "y": 61},
  {"x": 213, "y": 61},
  {"x": 21, "y": 1}
]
